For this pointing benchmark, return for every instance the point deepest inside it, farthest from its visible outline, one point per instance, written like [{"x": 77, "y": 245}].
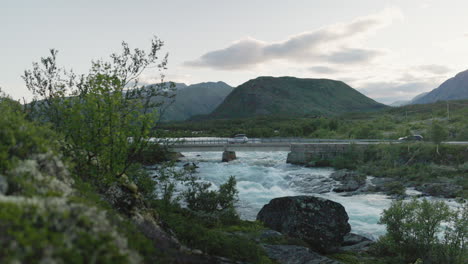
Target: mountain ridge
[
  {"x": 195, "y": 99},
  {"x": 455, "y": 88},
  {"x": 293, "y": 96}
]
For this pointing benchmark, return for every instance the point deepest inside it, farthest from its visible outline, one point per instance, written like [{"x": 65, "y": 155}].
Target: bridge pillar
[{"x": 228, "y": 155}]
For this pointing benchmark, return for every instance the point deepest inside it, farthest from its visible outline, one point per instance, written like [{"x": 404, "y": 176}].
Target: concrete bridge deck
[{"x": 257, "y": 144}]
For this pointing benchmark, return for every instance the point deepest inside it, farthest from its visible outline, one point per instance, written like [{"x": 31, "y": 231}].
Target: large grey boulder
[
  {"x": 290, "y": 254},
  {"x": 319, "y": 222}
]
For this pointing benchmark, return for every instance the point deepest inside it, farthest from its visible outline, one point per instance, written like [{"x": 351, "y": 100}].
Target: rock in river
[
  {"x": 319, "y": 222},
  {"x": 350, "y": 181}
]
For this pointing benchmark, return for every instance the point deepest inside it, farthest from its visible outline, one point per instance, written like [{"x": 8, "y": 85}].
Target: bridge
[
  {"x": 301, "y": 150},
  {"x": 258, "y": 144}
]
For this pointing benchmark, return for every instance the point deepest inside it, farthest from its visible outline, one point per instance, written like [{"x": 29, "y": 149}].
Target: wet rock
[
  {"x": 350, "y": 180},
  {"x": 356, "y": 243},
  {"x": 319, "y": 222},
  {"x": 310, "y": 183},
  {"x": 445, "y": 190},
  {"x": 190, "y": 166},
  {"x": 270, "y": 234},
  {"x": 229, "y": 156},
  {"x": 380, "y": 184},
  {"x": 290, "y": 254},
  {"x": 3, "y": 185}
]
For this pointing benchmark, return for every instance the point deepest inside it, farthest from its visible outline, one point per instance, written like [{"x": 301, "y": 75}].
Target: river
[{"x": 262, "y": 176}]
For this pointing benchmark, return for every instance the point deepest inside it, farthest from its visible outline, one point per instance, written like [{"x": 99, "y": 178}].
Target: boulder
[
  {"x": 290, "y": 254},
  {"x": 229, "y": 156},
  {"x": 445, "y": 190},
  {"x": 350, "y": 180},
  {"x": 270, "y": 234},
  {"x": 356, "y": 243},
  {"x": 319, "y": 222}
]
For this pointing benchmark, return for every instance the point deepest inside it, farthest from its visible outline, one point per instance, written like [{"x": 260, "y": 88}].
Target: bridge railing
[{"x": 202, "y": 141}]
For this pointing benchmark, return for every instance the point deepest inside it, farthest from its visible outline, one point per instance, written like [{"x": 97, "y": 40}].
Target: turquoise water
[{"x": 262, "y": 176}]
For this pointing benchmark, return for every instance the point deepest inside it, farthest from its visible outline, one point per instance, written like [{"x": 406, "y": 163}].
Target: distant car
[
  {"x": 412, "y": 138},
  {"x": 239, "y": 138}
]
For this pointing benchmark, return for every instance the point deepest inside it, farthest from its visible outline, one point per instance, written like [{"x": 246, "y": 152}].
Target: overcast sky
[{"x": 388, "y": 50}]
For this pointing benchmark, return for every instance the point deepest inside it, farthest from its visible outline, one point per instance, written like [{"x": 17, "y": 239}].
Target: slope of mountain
[
  {"x": 455, "y": 88},
  {"x": 291, "y": 96},
  {"x": 195, "y": 99},
  {"x": 408, "y": 102},
  {"x": 400, "y": 103}
]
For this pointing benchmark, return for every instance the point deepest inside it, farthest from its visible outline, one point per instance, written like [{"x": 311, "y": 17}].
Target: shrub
[
  {"x": 395, "y": 188},
  {"x": 413, "y": 230},
  {"x": 199, "y": 197}
]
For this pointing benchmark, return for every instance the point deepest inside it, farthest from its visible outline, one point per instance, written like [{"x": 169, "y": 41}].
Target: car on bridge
[
  {"x": 412, "y": 138},
  {"x": 239, "y": 138}
]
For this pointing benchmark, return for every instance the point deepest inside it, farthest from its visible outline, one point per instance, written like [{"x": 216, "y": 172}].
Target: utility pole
[{"x": 448, "y": 111}]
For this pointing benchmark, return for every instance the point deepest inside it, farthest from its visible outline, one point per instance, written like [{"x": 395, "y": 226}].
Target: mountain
[
  {"x": 455, "y": 88},
  {"x": 195, "y": 99},
  {"x": 291, "y": 96},
  {"x": 400, "y": 103},
  {"x": 408, "y": 102}
]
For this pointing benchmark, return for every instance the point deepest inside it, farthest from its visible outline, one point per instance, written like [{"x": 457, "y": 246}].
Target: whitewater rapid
[{"x": 262, "y": 176}]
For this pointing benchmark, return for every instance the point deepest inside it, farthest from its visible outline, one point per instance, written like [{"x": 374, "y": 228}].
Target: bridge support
[
  {"x": 228, "y": 155},
  {"x": 320, "y": 154}
]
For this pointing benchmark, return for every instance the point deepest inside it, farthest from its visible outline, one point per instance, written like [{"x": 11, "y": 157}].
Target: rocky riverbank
[{"x": 393, "y": 168}]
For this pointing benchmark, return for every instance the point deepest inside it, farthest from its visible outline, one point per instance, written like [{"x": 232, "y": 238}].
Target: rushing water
[{"x": 262, "y": 176}]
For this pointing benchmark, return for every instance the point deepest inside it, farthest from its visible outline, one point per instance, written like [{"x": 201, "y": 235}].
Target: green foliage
[
  {"x": 105, "y": 116},
  {"x": 395, "y": 188},
  {"x": 213, "y": 237},
  {"x": 413, "y": 230},
  {"x": 390, "y": 123},
  {"x": 32, "y": 234},
  {"x": 408, "y": 163},
  {"x": 199, "y": 197},
  {"x": 20, "y": 138}
]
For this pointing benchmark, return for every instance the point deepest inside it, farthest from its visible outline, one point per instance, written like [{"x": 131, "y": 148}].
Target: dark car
[{"x": 412, "y": 138}]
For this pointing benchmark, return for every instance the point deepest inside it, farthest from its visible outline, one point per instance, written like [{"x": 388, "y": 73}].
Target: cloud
[
  {"x": 323, "y": 69},
  {"x": 352, "y": 55},
  {"x": 434, "y": 69},
  {"x": 329, "y": 44}
]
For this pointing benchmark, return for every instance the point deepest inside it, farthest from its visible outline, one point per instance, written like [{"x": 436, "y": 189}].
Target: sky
[{"x": 388, "y": 50}]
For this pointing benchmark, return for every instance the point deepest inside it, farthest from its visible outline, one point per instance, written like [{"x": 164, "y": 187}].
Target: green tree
[
  {"x": 438, "y": 134},
  {"x": 413, "y": 230},
  {"x": 105, "y": 116}
]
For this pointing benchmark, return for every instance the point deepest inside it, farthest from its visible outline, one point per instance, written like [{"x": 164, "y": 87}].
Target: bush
[
  {"x": 199, "y": 197},
  {"x": 215, "y": 238},
  {"x": 414, "y": 229},
  {"x": 20, "y": 138},
  {"x": 395, "y": 188}
]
